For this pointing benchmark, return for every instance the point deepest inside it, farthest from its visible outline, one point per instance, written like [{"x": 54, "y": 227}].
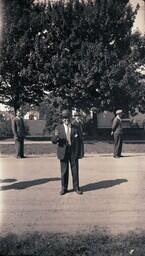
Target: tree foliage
[
  {"x": 19, "y": 81},
  {"x": 138, "y": 60},
  {"x": 85, "y": 50},
  {"x": 78, "y": 50}
]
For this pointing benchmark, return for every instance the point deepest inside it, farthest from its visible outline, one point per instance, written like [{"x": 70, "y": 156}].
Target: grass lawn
[
  {"x": 100, "y": 147},
  {"x": 96, "y": 243}
]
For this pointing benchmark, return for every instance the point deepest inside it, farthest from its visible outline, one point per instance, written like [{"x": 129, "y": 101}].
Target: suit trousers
[
  {"x": 118, "y": 139},
  {"x": 69, "y": 159},
  {"x": 19, "y": 144}
]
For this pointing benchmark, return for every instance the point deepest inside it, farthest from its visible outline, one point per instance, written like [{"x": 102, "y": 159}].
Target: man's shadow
[
  {"x": 27, "y": 184},
  {"x": 102, "y": 184}
]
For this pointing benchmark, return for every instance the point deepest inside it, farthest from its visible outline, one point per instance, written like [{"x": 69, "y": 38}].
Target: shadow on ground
[
  {"x": 27, "y": 184},
  {"x": 7, "y": 180},
  {"x": 102, "y": 184}
]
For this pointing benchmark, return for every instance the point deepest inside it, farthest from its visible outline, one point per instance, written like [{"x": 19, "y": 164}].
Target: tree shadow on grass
[
  {"x": 102, "y": 184},
  {"x": 124, "y": 156},
  {"x": 134, "y": 155},
  {"x": 27, "y": 184},
  {"x": 106, "y": 155},
  {"x": 89, "y": 156},
  {"x": 43, "y": 155},
  {"x": 7, "y": 180}
]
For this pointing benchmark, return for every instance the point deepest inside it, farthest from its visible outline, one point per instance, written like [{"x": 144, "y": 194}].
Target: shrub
[{"x": 6, "y": 129}]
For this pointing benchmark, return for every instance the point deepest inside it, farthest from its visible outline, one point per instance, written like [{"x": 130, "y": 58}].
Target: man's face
[
  {"x": 120, "y": 115},
  {"x": 67, "y": 120}
]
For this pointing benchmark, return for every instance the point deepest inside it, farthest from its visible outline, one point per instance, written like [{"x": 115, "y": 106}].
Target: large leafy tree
[
  {"x": 79, "y": 51},
  {"x": 19, "y": 79},
  {"x": 86, "y": 53},
  {"x": 138, "y": 60}
]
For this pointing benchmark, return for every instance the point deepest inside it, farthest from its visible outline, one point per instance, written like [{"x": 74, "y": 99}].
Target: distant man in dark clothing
[
  {"x": 68, "y": 139},
  {"x": 18, "y": 129},
  {"x": 117, "y": 132},
  {"x": 77, "y": 123}
]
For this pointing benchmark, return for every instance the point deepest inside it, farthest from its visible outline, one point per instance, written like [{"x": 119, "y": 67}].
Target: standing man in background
[
  {"x": 67, "y": 138},
  {"x": 77, "y": 123},
  {"x": 18, "y": 129},
  {"x": 117, "y": 132}
]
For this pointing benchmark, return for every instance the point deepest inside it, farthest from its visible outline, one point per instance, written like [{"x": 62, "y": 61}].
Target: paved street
[{"x": 113, "y": 198}]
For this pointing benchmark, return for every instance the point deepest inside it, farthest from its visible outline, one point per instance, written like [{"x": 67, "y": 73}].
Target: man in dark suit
[
  {"x": 18, "y": 129},
  {"x": 77, "y": 123},
  {"x": 117, "y": 132},
  {"x": 68, "y": 139}
]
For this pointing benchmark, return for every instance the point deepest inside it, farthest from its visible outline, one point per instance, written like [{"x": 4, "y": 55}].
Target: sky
[
  {"x": 140, "y": 18},
  {"x": 2, "y": 107}
]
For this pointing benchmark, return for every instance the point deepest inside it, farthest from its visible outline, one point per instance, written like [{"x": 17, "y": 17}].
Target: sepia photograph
[{"x": 72, "y": 127}]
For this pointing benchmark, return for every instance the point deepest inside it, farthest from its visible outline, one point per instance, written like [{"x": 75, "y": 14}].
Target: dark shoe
[
  {"x": 116, "y": 156},
  {"x": 63, "y": 192},
  {"x": 79, "y": 192}
]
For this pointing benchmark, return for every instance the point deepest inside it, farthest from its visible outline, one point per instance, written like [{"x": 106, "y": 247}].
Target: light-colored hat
[
  {"x": 119, "y": 111},
  {"x": 66, "y": 113}
]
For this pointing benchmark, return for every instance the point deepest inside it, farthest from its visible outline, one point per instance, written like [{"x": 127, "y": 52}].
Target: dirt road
[{"x": 113, "y": 198}]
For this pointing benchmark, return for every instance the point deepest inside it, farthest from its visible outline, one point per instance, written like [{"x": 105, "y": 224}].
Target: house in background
[{"x": 32, "y": 115}]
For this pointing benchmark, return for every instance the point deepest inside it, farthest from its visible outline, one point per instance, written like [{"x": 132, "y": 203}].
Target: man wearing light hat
[
  {"x": 67, "y": 137},
  {"x": 117, "y": 132}
]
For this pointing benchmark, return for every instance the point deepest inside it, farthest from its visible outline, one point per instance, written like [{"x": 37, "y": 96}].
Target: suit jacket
[
  {"x": 117, "y": 126},
  {"x": 80, "y": 129},
  {"x": 18, "y": 128},
  {"x": 62, "y": 142}
]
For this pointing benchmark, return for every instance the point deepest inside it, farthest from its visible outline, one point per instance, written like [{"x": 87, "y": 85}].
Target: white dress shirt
[{"x": 68, "y": 132}]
